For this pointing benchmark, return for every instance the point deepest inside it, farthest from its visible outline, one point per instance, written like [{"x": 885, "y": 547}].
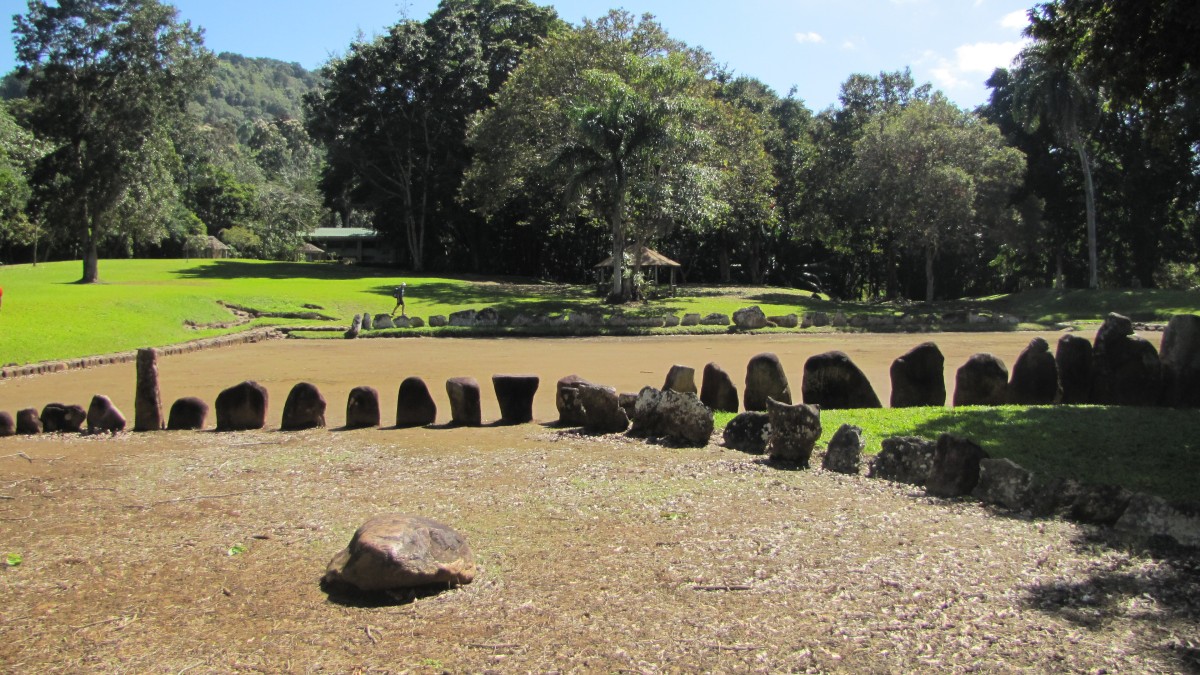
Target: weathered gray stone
[
  {"x": 832, "y": 382},
  {"x": 103, "y": 416},
  {"x": 982, "y": 380},
  {"x": 918, "y": 378},
  {"x": 845, "y": 449},
  {"x": 602, "y": 409},
  {"x": 765, "y": 379},
  {"x": 367, "y": 322},
  {"x": 242, "y": 407},
  {"x": 840, "y": 320},
  {"x": 677, "y": 416},
  {"x": 1125, "y": 368},
  {"x": 405, "y": 321},
  {"x": 1180, "y": 356},
  {"x": 717, "y": 390},
  {"x": 904, "y": 459},
  {"x": 486, "y": 318},
  {"x": 414, "y": 322},
  {"x": 187, "y": 414},
  {"x": 1073, "y": 359},
  {"x": 57, "y": 417},
  {"x": 681, "y": 379},
  {"x": 748, "y": 432},
  {"x": 515, "y": 395},
  {"x": 1035, "y": 376},
  {"x": 362, "y": 408},
  {"x": 29, "y": 423},
  {"x": 465, "y": 408},
  {"x": 568, "y": 402},
  {"x": 671, "y": 320},
  {"x": 437, "y": 321},
  {"x": 1004, "y": 483},
  {"x": 1148, "y": 516},
  {"x": 147, "y": 403},
  {"x": 414, "y": 404},
  {"x": 955, "y": 470},
  {"x": 750, "y": 318},
  {"x": 304, "y": 408},
  {"x": 793, "y": 432},
  {"x": 398, "y": 552},
  {"x": 715, "y": 319},
  {"x": 785, "y": 321},
  {"x": 820, "y": 319},
  {"x": 691, "y": 319},
  {"x": 355, "y": 328},
  {"x": 463, "y": 318},
  {"x": 383, "y": 322}
]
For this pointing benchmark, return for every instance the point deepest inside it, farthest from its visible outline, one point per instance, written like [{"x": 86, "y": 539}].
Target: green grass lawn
[{"x": 1152, "y": 450}]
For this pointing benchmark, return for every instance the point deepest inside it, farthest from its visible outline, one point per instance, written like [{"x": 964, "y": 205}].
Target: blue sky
[{"x": 811, "y": 44}]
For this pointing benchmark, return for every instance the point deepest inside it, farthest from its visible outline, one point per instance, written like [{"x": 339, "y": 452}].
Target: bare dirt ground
[{"x": 596, "y": 553}]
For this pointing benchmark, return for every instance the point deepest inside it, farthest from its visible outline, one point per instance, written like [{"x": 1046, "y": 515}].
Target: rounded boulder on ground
[
  {"x": 304, "y": 408},
  {"x": 362, "y": 408},
  {"x": 29, "y": 423},
  {"x": 904, "y": 459},
  {"x": 982, "y": 380},
  {"x": 8, "y": 426},
  {"x": 568, "y": 402},
  {"x": 242, "y": 407},
  {"x": 414, "y": 404},
  {"x": 667, "y": 413},
  {"x": 717, "y": 390},
  {"x": 65, "y": 418},
  {"x": 1035, "y": 376},
  {"x": 844, "y": 453},
  {"x": 400, "y": 552},
  {"x": 602, "y": 409},
  {"x": 833, "y": 382},
  {"x": 187, "y": 414},
  {"x": 750, "y": 318},
  {"x": 103, "y": 416},
  {"x": 918, "y": 378},
  {"x": 748, "y": 432},
  {"x": 794, "y": 430},
  {"x": 765, "y": 379},
  {"x": 955, "y": 469}
]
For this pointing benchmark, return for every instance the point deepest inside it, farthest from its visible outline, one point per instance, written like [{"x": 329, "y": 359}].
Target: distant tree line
[{"x": 492, "y": 137}]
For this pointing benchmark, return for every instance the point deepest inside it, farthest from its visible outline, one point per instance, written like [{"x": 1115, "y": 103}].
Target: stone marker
[
  {"x": 8, "y": 426},
  {"x": 1035, "y": 376},
  {"x": 515, "y": 394},
  {"x": 147, "y": 404},
  {"x": 414, "y": 404},
  {"x": 1180, "y": 355},
  {"x": 462, "y": 318},
  {"x": 844, "y": 453},
  {"x": 187, "y": 414},
  {"x": 750, "y": 318},
  {"x": 367, "y": 323},
  {"x": 765, "y": 379},
  {"x": 955, "y": 470},
  {"x": 362, "y": 408},
  {"x": 674, "y": 415},
  {"x": 748, "y": 432},
  {"x": 304, "y": 408},
  {"x": 904, "y": 459},
  {"x": 681, "y": 379},
  {"x": 398, "y": 552},
  {"x": 982, "y": 380},
  {"x": 1074, "y": 361},
  {"x": 437, "y": 321},
  {"x": 717, "y": 390},
  {"x": 29, "y": 423},
  {"x": 242, "y": 407},
  {"x": 793, "y": 432},
  {"x": 465, "y": 407},
  {"x": 566, "y": 399},
  {"x": 918, "y": 378},
  {"x": 1125, "y": 368},
  {"x": 832, "y": 382},
  {"x": 103, "y": 416},
  {"x": 355, "y": 328},
  {"x": 602, "y": 409},
  {"x": 65, "y": 418}
]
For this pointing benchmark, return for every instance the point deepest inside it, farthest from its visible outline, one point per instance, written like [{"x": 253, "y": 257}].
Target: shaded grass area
[
  {"x": 1152, "y": 450},
  {"x": 1048, "y": 306}
]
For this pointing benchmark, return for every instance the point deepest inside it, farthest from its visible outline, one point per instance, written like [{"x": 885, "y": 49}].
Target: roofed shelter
[
  {"x": 647, "y": 258},
  {"x": 214, "y": 248}
]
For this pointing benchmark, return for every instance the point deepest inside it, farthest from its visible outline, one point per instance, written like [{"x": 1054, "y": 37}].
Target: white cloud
[
  {"x": 970, "y": 62},
  {"x": 1017, "y": 20},
  {"x": 849, "y": 45},
  {"x": 814, "y": 38}
]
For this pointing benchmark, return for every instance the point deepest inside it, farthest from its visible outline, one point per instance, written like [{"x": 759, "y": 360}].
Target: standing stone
[
  {"x": 748, "y": 432},
  {"x": 566, "y": 399},
  {"x": 681, "y": 379},
  {"x": 674, "y": 415},
  {"x": 304, "y": 408},
  {"x": 833, "y": 382},
  {"x": 515, "y": 394},
  {"x": 794, "y": 431},
  {"x": 1125, "y": 368},
  {"x": 147, "y": 405},
  {"x": 1074, "y": 361},
  {"x": 396, "y": 552},
  {"x": 717, "y": 390},
  {"x": 750, "y": 318},
  {"x": 242, "y": 407},
  {"x": 904, "y": 459},
  {"x": 8, "y": 426},
  {"x": 1180, "y": 354},
  {"x": 465, "y": 407},
  {"x": 355, "y": 328},
  {"x": 367, "y": 323},
  {"x": 602, "y": 409},
  {"x": 1035, "y": 376},
  {"x": 362, "y": 408},
  {"x": 844, "y": 453},
  {"x": 29, "y": 423},
  {"x": 414, "y": 404},
  {"x": 765, "y": 379},
  {"x": 982, "y": 380},
  {"x": 66, "y": 418},
  {"x": 918, "y": 378},
  {"x": 103, "y": 416},
  {"x": 437, "y": 321},
  {"x": 955, "y": 470},
  {"x": 187, "y": 414}
]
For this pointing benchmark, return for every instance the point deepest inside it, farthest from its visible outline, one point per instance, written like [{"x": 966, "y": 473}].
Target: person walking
[{"x": 398, "y": 294}]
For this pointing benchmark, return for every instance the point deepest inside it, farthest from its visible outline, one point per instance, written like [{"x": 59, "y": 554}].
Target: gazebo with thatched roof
[
  {"x": 648, "y": 258},
  {"x": 313, "y": 253},
  {"x": 214, "y": 248}
]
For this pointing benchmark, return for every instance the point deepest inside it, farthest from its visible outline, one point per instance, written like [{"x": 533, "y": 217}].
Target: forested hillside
[{"x": 245, "y": 89}]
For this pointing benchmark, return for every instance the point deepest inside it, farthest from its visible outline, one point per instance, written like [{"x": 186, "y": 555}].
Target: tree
[
  {"x": 942, "y": 175},
  {"x": 106, "y": 78},
  {"x": 19, "y": 151}
]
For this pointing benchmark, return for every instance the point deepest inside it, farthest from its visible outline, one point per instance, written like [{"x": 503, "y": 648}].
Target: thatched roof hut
[
  {"x": 214, "y": 248},
  {"x": 313, "y": 253},
  {"x": 648, "y": 258}
]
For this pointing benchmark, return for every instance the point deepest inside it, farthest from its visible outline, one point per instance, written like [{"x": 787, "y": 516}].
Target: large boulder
[
  {"x": 242, "y": 407},
  {"x": 1148, "y": 516},
  {"x": 60, "y": 417},
  {"x": 1074, "y": 361},
  {"x": 103, "y": 416},
  {"x": 785, "y": 320},
  {"x": 187, "y": 414},
  {"x": 717, "y": 390},
  {"x": 845, "y": 449},
  {"x": 918, "y": 378},
  {"x": 465, "y": 408},
  {"x": 1126, "y": 368},
  {"x": 304, "y": 408},
  {"x": 147, "y": 403},
  {"x": 750, "y": 318},
  {"x": 833, "y": 382},
  {"x": 29, "y": 423},
  {"x": 690, "y": 319},
  {"x": 668, "y": 413},
  {"x": 1004, "y": 483},
  {"x": 463, "y": 318},
  {"x": 681, "y": 379},
  {"x": 1035, "y": 376},
  {"x": 362, "y": 408},
  {"x": 955, "y": 470},
  {"x": 715, "y": 319},
  {"x": 8, "y": 426},
  {"x": 793, "y": 433},
  {"x": 748, "y": 432},
  {"x": 982, "y": 380},
  {"x": 438, "y": 320},
  {"x": 602, "y": 411},
  {"x": 904, "y": 459},
  {"x": 414, "y": 404},
  {"x": 1180, "y": 355},
  {"x": 568, "y": 402},
  {"x": 515, "y": 394},
  {"x": 765, "y": 379},
  {"x": 487, "y": 317},
  {"x": 399, "y": 552},
  {"x": 383, "y": 322}
]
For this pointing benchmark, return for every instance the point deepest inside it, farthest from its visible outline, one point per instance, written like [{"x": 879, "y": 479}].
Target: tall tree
[
  {"x": 106, "y": 78},
  {"x": 19, "y": 151}
]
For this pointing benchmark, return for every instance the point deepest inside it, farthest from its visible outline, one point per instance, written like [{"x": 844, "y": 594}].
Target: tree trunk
[
  {"x": 91, "y": 258},
  {"x": 929, "y": 253},
  {"x": 723, "y": 264},
  {"x": 1089, "y": 194},
  {"x": 616, "y": 293}
]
